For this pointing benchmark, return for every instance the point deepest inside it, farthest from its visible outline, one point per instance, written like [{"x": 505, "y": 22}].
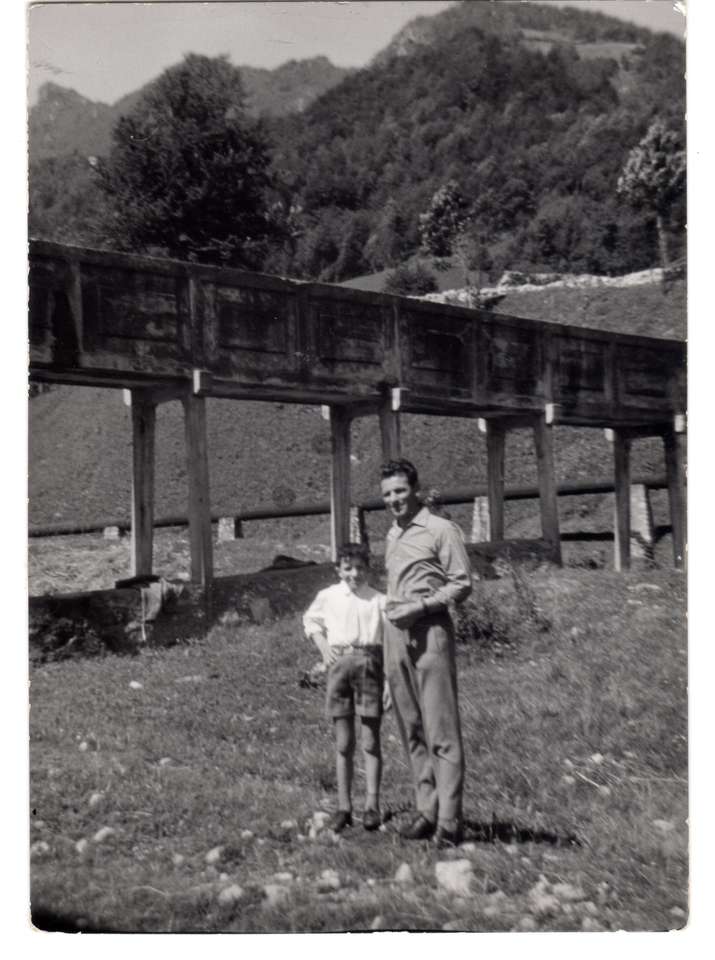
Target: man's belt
[{"x": 342, "y": 650}]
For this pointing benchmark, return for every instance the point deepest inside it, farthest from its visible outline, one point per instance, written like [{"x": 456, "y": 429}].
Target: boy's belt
[{"x": 343, "y": 650}]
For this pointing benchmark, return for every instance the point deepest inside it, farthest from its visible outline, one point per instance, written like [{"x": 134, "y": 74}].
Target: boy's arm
[{"x": 315, "y": 629}]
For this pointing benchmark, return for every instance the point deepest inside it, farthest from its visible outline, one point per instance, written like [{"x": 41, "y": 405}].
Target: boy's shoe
[
  {"x": 418, "y": 829},
  {"x": 371, "y": 819},
  {"x": 445, "y": 838},
  {"x": 340, "y": 820}
]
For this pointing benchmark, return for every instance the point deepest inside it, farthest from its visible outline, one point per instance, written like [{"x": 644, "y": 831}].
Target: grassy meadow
[{"x": 176, "y": 790}]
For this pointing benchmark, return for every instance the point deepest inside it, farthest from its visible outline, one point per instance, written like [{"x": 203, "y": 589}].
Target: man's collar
[{"x": 420, "y": 519}]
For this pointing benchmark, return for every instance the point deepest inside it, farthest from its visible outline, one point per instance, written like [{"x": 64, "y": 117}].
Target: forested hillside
[{"x": 529, "y": 109}]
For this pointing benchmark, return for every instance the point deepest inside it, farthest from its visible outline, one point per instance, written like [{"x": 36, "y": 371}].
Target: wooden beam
[
  {"x": 548, "y": 490},
  {"x": 390, "y": 426},
  {"x": 339, "y": 479},
  {"x": 143, "y": 445},
  {"x": 496, "y": 437},
  {"x": 674, "y": 444},
  {"x": 622, "y": 470},
  {"x": 197, "y": 469}
]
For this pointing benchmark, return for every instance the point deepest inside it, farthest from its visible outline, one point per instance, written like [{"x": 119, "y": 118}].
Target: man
[{"x": 427, "y": 568}]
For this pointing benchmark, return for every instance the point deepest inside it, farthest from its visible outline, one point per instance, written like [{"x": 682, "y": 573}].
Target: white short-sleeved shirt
[{"x": 346, "y": 617}]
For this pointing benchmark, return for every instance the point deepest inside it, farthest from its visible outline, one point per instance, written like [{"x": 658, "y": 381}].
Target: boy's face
[
  {"x": 400, "y": 498},
  {"x": 353, "y": 571}
]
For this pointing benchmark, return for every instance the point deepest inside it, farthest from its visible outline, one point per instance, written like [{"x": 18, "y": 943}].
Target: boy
[{"x": 345, "y": 623}]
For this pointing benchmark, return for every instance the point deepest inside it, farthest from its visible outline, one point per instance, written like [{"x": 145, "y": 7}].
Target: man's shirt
[
  {"x": 346, "y": 617},
  {"x": 427, "y": 561}
]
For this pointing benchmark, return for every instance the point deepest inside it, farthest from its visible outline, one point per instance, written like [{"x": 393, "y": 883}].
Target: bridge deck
[{"x": 116, "y": 320}]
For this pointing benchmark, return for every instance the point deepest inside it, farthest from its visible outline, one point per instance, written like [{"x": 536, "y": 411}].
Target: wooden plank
[
  {"x": 622, "y": 470},
  {"x": 143, "y": 446},
  {"x": 389, "y": 428},
  {"x": 496, "y": 437},
  {"x": 197, "y": 470},
  {"x": 674, "y": 444},
  {"x": 548, "y": 490},
  {"x": 339, "y": 478}
]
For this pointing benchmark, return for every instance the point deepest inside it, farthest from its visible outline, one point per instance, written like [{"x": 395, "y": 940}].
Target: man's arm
[{"x": 457, "y": 569}]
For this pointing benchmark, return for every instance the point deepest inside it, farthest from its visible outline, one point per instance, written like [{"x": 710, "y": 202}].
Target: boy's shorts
[{"x": 354, "y": 684}]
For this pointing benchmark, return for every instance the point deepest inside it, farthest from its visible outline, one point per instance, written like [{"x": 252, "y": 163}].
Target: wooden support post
[
  {"x": 339, "y": 478},
  {"x": 143, "y": 439},
  {"x": 390, "y": 424},
  {"x": 496, "y": 436},
  {"x": 548, "y": 491},
  {"x": 197, "y": 469},
  {"x": 481, "y": 529},
  {"x": 622, "y": 466},
  {"x": 674, "y": 444}
]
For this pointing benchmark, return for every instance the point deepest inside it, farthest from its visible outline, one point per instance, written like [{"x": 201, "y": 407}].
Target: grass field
[{"x": 173, "y": 791}]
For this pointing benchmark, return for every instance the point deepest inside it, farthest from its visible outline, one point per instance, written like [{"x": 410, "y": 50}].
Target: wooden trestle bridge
[{"x": 165, "y": 330}]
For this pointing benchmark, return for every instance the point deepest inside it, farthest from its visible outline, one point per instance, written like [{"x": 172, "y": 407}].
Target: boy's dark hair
[
  {"x": 405, "y": 467},
  {"x": 354, "y": 551}
]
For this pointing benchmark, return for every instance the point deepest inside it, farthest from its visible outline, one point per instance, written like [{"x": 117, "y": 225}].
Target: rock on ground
[{"x": 455, "y": 876}]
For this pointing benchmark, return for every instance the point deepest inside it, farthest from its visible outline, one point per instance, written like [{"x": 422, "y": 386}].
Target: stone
[
  {"x": 468, "y": 847},
  {"x": 81, "y": 845},
  {"x": 165, "y": 762},
  {"x": 135, "y": 685},
  {"x": 328, "y": 880},
  {"x": 177, "y": 859},
  {"x": 526, "y": 924},
  {"x": 104, "y": 833},
  {"x": 678, "y": 913},
  {"x": 596, "y": 758},
  {"x": 378, "y": 923},
  {"x": 568, "y": 780},
  {"x": 404, "y": 874},
  {"x": 95, "y": 799},
  {"x": 567, "y": 891},
  {"x": 590, "y": 925},
  {"x": 544, "y": 905},
  {"x": 455, "y": 876},
  {"x": 246, "y": 834},
  {"x": 214, "y": 856},
  {"x": 230, "y": 895},
  {"x": 452, "y": 926},
  {"x": 604, "y": 791},
  {"x": 289, "y": 825},
  {"x": 83, "y": 747},
  {"x": 284, "y": 877},
  {"x": 39, "y": 849},
  {"x": 664, "y": 826},
  {"x": 319, "y": 820}
]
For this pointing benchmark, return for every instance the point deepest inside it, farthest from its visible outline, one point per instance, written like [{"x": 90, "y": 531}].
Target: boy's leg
[
  {"x": 370, "y": 732},
  {"x": 345, "y": 744}
]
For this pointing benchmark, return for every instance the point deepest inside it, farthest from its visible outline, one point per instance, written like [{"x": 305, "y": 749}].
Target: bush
[
  {"x": 496, "y": 623},
  {"x": 53, "y": 639},
  {"x": 408, "y": 281}
]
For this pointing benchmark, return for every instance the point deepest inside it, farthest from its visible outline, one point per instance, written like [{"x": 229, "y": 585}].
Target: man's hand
[{"x": 403, "y": 613}]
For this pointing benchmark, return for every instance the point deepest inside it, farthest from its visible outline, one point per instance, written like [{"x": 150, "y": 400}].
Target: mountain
[
  {"x": 64, "y": 122},
  {"x": 529, "y": 109}
]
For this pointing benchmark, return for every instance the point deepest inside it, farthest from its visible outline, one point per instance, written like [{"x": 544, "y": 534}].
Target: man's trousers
[{"x": 421, "y": 671}]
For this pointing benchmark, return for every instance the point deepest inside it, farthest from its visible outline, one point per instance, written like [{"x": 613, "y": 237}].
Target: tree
[
  {"x": 188, "y": 172},
  {"x": 445, "y": 219},
  {"x": 653, "y": 178}
]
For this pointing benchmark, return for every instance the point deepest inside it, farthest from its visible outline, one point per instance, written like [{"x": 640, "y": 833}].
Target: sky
[{"x": 106, "y": 50}]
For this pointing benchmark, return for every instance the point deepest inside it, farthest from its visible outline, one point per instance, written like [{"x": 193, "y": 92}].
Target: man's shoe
[
  {"x": 371, "y": 819},
  {"x": 419, "y": 829},
  {"x": 445, "y": 838},
  {"x": 340, "y": 820}
]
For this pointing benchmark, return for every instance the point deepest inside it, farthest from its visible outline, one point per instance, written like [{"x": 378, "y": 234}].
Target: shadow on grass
[
  {"x": 48, "y": 920},
  {"x": 506, "y": 832}
]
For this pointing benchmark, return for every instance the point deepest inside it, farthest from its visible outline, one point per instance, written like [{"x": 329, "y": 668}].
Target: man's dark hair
[
  {"x": 405, "y": 467},
  {"x": 354, "y": 551}
]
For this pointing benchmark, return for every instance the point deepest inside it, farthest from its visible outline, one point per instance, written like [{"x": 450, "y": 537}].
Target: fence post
[
  {"x": 622, "y": 526},
  {"x": 674, "y": 443},
  {"x": 390, "y": 424},
  {"x": 548, "y": 490},
  {"x": 229, "y": 528},
  {"x": 496, "y": 438}
]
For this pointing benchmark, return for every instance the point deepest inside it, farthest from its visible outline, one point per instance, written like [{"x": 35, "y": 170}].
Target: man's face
[
  {"x": 353, "y": 572},
  {"x": 400, "y": 498}
]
